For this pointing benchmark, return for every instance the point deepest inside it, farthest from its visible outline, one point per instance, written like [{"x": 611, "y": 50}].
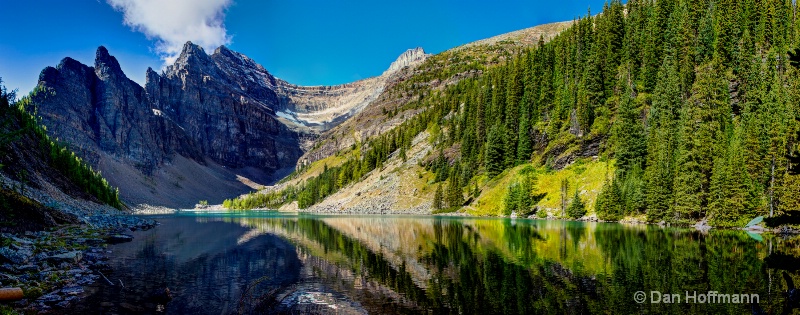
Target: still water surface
[{"x": 272, "y": 263}]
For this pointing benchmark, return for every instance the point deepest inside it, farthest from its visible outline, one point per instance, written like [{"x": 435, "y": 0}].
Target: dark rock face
[
  {"x": 199, "y": 108},
  {"x": 228, "y": 124},
  {"x": 98, "y": 109}
]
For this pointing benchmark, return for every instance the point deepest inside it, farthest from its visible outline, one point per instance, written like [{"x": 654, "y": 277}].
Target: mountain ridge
[{"x": 206, "y": 127}]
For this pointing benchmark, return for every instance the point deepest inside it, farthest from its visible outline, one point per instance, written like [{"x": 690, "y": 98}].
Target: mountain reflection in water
[{"x": 269, "y": 263}]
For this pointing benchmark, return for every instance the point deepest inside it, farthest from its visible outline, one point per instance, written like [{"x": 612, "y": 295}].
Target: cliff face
[
  {"x": 98, "y": 108},
  {"x": 232, "y": 124},
  {"x": 207, "y": 128},
  {"x": 190, "y": 126}
]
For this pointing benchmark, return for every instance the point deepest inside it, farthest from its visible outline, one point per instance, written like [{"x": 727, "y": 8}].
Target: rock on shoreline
[
  {"x": 52, "y": 267},
  {"x": 148, "y": 209}
]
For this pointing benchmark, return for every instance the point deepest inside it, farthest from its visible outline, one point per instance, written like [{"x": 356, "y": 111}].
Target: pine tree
[
  {"x": 511, "y": 200},
  {"x": 608, "y": 205},
  {"x": 577, "y": 208},
  {"x": 610, "y": 37},
  {"x": 733, "y": 200},
  {"x": 631, "y": 147},
  {"x": 726, "y": 32},
  {"x": 455, "y": 192},
  {"x": 524, "y": 145},
  {"x": 438, "y": 198},
  {"x": 480, "y": 121},
  {"x": 494, "y": 151},
  {"x": 706, "y": 36},
  {"x": 660, "y": 164},
  {"x": 514, "y": 91},
  {"x": 595, "y": 88},
  {"x": 659, "y": 174},
  {"x": 499, "y": 97},
  {"x": 703, "y": 124}
]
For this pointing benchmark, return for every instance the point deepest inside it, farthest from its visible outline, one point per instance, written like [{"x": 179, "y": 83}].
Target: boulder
[
  {"x": 68, "y": 257},
  {"x": 16, "y": 257}
]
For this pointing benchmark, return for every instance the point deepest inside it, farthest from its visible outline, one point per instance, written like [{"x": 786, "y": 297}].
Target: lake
[{"x": 265, "y": 262}]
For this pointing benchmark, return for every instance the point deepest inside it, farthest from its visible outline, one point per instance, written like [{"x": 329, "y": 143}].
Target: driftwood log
[{"x": 11, "y": 294}]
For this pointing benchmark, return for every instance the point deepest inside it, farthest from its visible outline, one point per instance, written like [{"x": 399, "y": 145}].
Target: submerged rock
[
  {"x": 72, "y": 290},
  {"x": 50, "y": 299},
  {"x": 702, "y": 225},
  {"x": 119, "y": 238},
  {"x": 161, "y": 296}
]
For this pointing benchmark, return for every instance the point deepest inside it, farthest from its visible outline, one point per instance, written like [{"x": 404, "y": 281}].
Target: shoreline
[
  {"x": 699, "y": 226},
  {"x": 53, "y": 267}
]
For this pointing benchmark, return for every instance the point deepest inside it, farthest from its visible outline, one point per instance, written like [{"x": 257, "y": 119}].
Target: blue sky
[{"x": 303, "y": 42}]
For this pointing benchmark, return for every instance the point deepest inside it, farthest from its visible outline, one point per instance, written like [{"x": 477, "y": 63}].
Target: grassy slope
[
  {"x": 585, "y": 175},
  {"x": 414, "y": 184}
]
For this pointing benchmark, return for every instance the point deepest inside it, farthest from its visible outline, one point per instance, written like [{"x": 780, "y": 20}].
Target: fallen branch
[{"x": 104, "y": 277}]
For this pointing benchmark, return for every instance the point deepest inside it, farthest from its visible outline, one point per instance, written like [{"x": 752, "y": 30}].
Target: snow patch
[{"x": 289, "y": 115}]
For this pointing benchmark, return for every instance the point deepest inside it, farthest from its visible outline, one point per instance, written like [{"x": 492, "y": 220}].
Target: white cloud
[{"x": 173, "y": 22}]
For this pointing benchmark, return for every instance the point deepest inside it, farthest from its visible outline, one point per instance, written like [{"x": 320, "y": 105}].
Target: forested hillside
[
  {"x": 694, "y": 102},
  {"x": 29, "y": 154}
]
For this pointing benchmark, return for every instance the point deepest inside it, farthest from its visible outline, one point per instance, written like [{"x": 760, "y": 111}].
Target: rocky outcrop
[
  {"x": 410, "y": 57},
  {"x": 208, "y": 127}
]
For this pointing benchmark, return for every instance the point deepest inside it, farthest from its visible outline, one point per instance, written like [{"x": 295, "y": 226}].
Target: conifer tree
[
  {"x": 455, "y": 194},
  {"x": 524, "y": 145},
  {"x": 733, "y": 200},
  {"x": 438, "y": 197},
  {"x": 631, "y": 146},
  {"x": 577, "y": 208},
  {"x": 726, "y": 32},
  {"x": 703, "y": 125},
  {"x": 494, "y": 151},
  {"x": 608, "y": 205}
]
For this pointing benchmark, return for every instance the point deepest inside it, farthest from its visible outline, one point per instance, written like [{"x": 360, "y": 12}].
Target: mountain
[
  {"x": 412, "y": 84},
  {"x": 206, "y": 128},
  {"x": 373, "y": 162},
  {"x": 669, "y": 111}
]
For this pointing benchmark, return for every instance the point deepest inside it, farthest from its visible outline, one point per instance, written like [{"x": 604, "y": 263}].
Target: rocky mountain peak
[
  {"x": 69, "y": 63},
  {"x": 190, "y": 48},
  {"x": 235, "y": 58},
  {"x": 106, "y": 65},
  {"x": 192, "y": 58},
  {"x": 74, "y": 68},
  {"x": 223, "y": 49},
  {"x": 408, "y": 58},
  {"x": 150, "y": 75}
]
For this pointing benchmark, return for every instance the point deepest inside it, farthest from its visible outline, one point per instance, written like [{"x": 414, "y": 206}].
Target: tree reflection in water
[{"x": 380, "y": 264}]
